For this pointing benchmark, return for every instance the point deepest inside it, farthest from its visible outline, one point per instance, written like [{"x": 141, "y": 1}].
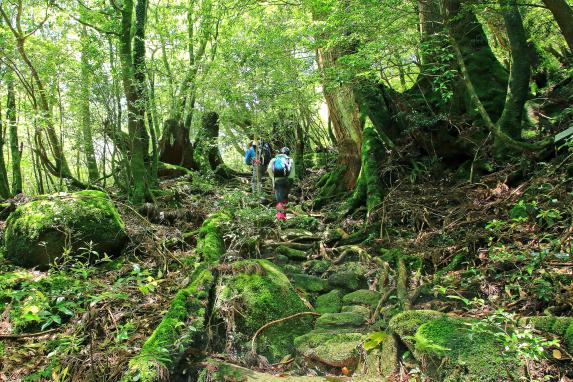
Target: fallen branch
[
  {"x": 25, "y": 335},
  {"x": 265, "y": 326}
]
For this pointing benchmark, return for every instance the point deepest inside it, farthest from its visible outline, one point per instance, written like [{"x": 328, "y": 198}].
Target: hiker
[
  {"x": 259, "y": 157},
  {"x": 281, "y": 171}
]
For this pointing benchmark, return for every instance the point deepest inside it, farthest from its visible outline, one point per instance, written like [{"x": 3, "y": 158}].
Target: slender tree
[
  {"x": 86, "y": 123},
  {"x": 563, "y": 14},
  {"x": 15, "y": 147}
]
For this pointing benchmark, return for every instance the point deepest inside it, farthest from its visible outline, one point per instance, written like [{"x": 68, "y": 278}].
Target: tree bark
[
  {"x": 4, "y": 185},
  {"x": 15, "y": 148},
  {"x": 87, "y": 138},
  {"x": 346, "y": 124},
  {"x": 520, "y": 72},
  {"x": 563, "y": 14},
  {"x": 132, "y": 58}
]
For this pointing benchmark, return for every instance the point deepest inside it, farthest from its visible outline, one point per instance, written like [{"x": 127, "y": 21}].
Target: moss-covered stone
[
  {"x": 561, "y": 326},
  {"x": 349, "y": 276},
  {"x": 316, "y": 267},
  {"x": 381, "y": 363},
  {"x": 336, "y": 321},
  {"x": 309, "y": 283},
  {"x": 362, "y": 297},
  {"x": 407, "y": 323},
  {"x": 356, "y": 309},
  {"x": 475, "y": 358},
  {"x": 330, "y": 302},
  {"x": 261, "y": 293},
  {"x": 76, "y": 224},
  {"x": 291, "y": 253},
  {"x": 332, "y": 349}
]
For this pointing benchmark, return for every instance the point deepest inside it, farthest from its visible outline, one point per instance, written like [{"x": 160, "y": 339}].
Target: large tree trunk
[
  {"x": 207, "y": 154},
  {"x": 87, "y": 138},
  {"x": 520, "y": 73},
  {"x": 346, "y": 123},
  {"x": 563, "y": 14},
  {"x": 133, "y": 77},
  {"x": 15, "y": 149},
  {"x": 175, "y": 146}
]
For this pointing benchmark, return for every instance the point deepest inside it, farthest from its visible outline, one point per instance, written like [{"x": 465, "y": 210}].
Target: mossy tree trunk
[
  {"x": 563, "y": 14},
  {"x": 206, "y": 145},
  {"x": 87, "y": 139},
  {"x": 132, "y": 58},
  {"x": 520, "y": 73},
  {"x": 4, "y": 185},
  {"x": 15, "y": 147},
  {"x": 346, "y": 122}
]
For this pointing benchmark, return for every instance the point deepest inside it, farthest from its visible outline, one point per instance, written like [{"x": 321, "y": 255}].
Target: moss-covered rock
[
  {"x": 309, "y": 283},
  {"x": 291, "y": 253},
  {"x": 332, "y": 349},
  {"x": 561, "y": 326},
  {"x": 407, "y": 323},
  {"x": 316, "y": 267},
  {"x": 356, "y": 309},
  {"x": 434, "y": 337},
  {"x": 362, "y": 297},
  {"x": 349, "y": 276},
  {"x": 381, "y": 363},
  {"x": 336, "y": 321},
  {"x": 77, "y": 224},
  {"x": 261, "y": 293},
  {"x": 473, "y": 357},
  {"x": 330, "y": 302}
]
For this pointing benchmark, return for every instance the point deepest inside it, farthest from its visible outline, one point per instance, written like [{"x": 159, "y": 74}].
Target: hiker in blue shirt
[{"x": 281, "y": 170}]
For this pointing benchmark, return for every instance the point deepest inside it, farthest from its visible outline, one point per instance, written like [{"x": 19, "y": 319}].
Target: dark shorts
[{"x": 282, "y": 189}]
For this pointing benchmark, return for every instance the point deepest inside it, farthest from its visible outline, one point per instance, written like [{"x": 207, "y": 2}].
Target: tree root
[{"x": 265, "y": 326}]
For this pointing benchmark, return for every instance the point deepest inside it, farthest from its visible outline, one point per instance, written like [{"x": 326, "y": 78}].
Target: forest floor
[{"x": 496, "y": 250}]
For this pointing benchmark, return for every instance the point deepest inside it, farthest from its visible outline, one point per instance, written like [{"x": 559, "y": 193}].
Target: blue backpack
[{"x": 281, "y": 166}]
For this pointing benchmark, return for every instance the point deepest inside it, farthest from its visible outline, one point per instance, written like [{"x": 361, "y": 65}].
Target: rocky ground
[{"x": 445, "y": 281}]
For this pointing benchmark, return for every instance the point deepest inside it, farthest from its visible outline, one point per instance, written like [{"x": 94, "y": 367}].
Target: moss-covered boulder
[
  {"x": 357, "y": 309},
  {"x": 78, "y": 224},
  {"x": 254, "y": 293},
  {"x": 471, "y": 356},
  {"x": 349, "y": 276},
  {"x": 331, "y": 349},
  {"x": 291, "y": 253},
  {"x": 340, "y": 321},
  {"x": 362, "y": 297},
  {"x": 309, "y": 283},
  {"x": 316, "y": 267},
  {"x": 330, "y": 302},
  {"x": 561, "y": 326}
]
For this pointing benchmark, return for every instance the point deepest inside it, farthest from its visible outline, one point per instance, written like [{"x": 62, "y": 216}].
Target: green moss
[
  {"x": 291, "y": 253},
  {"x": 407, "y": 323},
  {"x": 476, "y": 358},
  {"x": 349, "y": 276},
  {"x": 303, "y": 221},
  {"x": 561, "y": 326},
  {"x": 210, "y": 245},
  {"x": 39, "y": 231},
  {"x": 330, "y": 302},
  {"x": 332, "y": 349},
  {"x": 262, "y": 293},
  {"x": 309, "y": 283},
  {"x": 569, "y": 338},
  {"x": 316, "y": 267},
  {"x": 357, "y": 309},
  {"x": 336, "y": 321},
  {"x": 362, "y": 297},
  {"x": 181, "y": 326}
]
